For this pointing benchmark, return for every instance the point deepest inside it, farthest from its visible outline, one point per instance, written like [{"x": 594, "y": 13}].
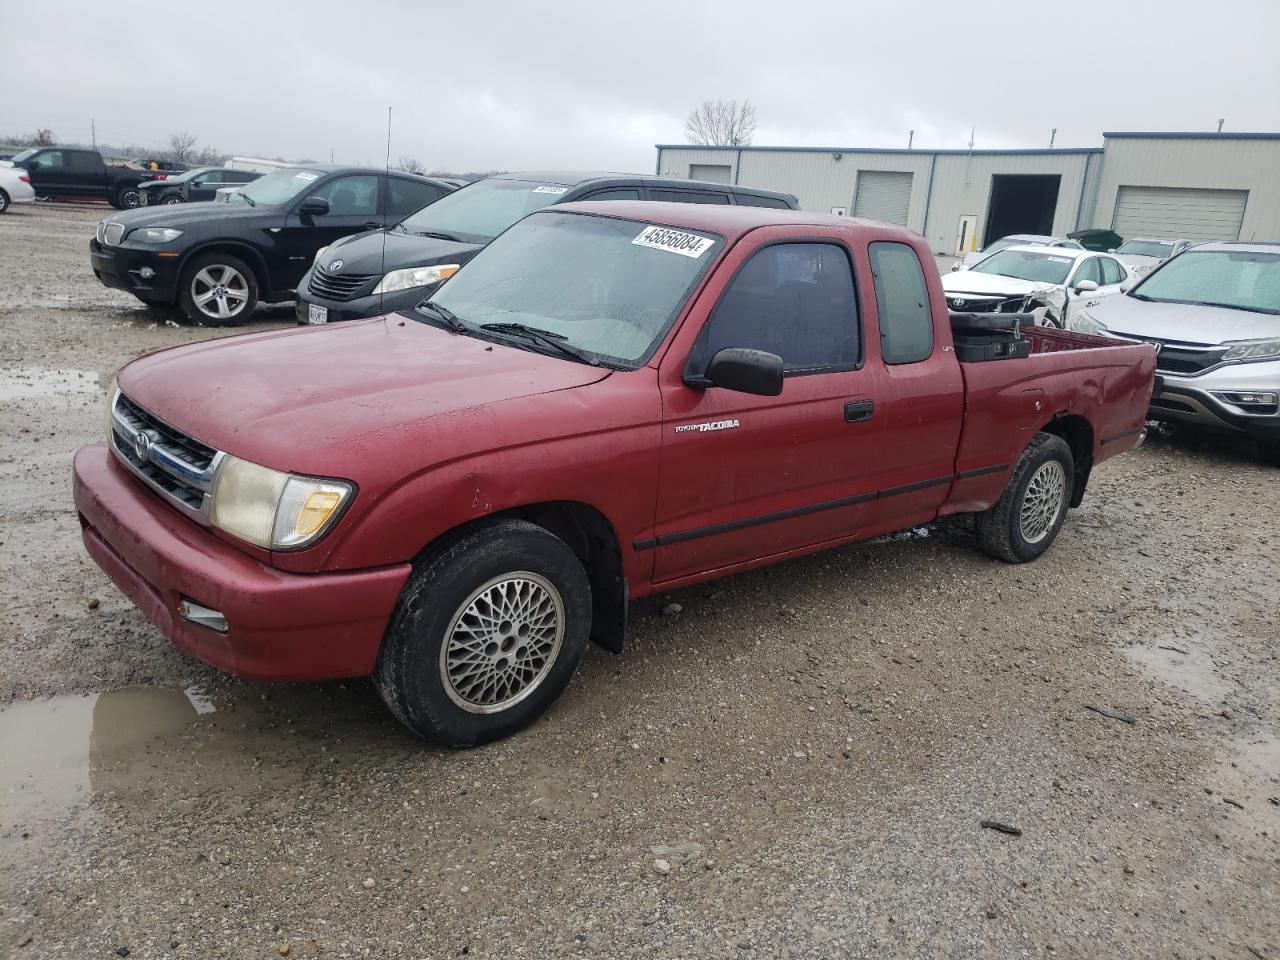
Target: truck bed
[{"x": 1068, "y": 382}]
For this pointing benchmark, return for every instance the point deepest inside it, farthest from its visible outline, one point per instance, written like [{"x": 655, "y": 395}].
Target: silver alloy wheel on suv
[{"x": 219, "y": 291}]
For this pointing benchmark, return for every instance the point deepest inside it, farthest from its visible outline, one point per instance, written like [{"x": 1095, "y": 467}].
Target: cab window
[
  {"x": 408, "y": 196},
  {"x": 687, "y": 196},
  {"x": 795, "y": 300},
  {"x": 355, "y": 196},
  {"x": 1088, "y": 271},
  {"x": 1112, "y": 272},
  {"x": 902, "y": 298}
]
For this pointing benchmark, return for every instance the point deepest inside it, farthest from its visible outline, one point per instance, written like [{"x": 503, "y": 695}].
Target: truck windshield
[
  {"x": 1147, "y": 248},
  {"x": 481, "y": 211},
  {"x": 1025, "y": 265},
  {"x": 605, "y": 286},
  {"x": 24, "y": 155},
  {"x": 275, "y": 188},
  {"x": 1238, "y": 279}
]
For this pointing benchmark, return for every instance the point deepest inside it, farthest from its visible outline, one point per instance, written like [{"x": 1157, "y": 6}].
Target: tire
[
  {"x": 172, "y": 199},
  {"x": 1052, "y": 321},
  {"x": 422, "y": 676},
  {"x": 127, "y": 198},
  {"x": 209, "y": 273},
  {"x": 1016, "y": 530},
  {"x": 4, "y": 202}
]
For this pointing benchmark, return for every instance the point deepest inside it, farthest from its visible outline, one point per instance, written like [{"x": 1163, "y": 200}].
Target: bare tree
[
  {"x": 44, "y": 137},
  {"x": 721, "y": 123},
  {"x": 182, "y": 146},
  {"x": 207, "y": 157},
  {"x": 410, "y": 165}
]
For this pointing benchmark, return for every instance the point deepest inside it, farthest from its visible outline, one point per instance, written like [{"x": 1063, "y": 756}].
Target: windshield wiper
[
  {"x": 1143, "y": 297},
  {"x": 436, "y": 235},
  {"x": 247, "y": 199},
  {"x": 445, "y": 314},
  {"x": 547, "y": 338}
]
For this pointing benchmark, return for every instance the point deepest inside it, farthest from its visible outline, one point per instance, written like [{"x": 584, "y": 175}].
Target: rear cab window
[{"x": 902, "y": 299}]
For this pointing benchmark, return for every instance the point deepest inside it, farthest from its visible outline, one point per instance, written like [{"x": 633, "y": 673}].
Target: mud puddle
[
  {"x": 1184, "y": 664},
  {"x": 59, "y": 752},
  {"x": 37, "y": 383}
]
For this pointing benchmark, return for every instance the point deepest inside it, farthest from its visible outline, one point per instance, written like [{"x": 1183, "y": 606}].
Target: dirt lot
[{"x": 810, "y": 748}]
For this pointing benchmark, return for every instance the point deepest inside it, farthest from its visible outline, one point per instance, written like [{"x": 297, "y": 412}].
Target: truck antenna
[{"x": 382, "y": 296}]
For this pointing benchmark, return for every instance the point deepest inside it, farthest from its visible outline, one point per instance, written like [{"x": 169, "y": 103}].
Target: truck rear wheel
[
  {"x": 1027, "y": 517},
  {"x": 486, "y": 636}
]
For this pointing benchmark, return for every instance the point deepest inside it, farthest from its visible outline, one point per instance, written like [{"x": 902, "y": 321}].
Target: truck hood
[
  {"x": 364, "y": 252},
  {"x": 313, "y": 400},
  {"x": 1184, "y": 322},
  {"x": 992, "y": 284}
]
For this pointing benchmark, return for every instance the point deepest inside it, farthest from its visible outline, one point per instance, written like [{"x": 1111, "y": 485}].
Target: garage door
[
  {"x": 713, "y": 172},
  {"x": 1178, "y": 212},
  {"x": 881, "y": 195}
]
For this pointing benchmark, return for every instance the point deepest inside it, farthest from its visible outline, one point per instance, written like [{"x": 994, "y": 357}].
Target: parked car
[
  {"x": 170, "y": 167},
  {"x": 1097, "y": 239},
  {"x": 15, "y": 187},
  {"x": 1052, "y": 284},
  {"x": 216, "y": 261},
  {"x": 388, "y": 270},
  {"x": 973, "y": 257},
  {"x": 193, "y": 186},
  {"x": 67, "y": 172},
  {"x": 611, "y": 399},
  {"x": 1214, "y": 313},
  {"x": 1144, "y": 254}
]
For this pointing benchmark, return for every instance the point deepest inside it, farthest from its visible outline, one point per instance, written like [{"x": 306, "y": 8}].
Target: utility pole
[
  {"x": 1053, "y": 135},
  {"x": 972, "y": 131},
  {"x": 93, "y": 127},
  {"x": 911, "y": 136},
  {"x": 1220, "y": 123},
  {"x": 331, "y": 154}
]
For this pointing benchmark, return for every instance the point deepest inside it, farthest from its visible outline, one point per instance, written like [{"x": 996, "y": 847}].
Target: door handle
[{"x": 856, "y": 410}]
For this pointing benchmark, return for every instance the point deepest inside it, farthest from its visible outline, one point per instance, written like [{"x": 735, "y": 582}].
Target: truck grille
[
  {"x": 335, "y": 287},
  {"x": 110, "y": 234},
  {"x": 1178, "y": 358},
  {"x": 180, "y": 467}
]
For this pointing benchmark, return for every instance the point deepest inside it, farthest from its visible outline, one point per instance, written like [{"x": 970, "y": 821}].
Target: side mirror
[
  {"x": 958, "y": 265},
  {"x": 1111, "y": 249},
  {"x": 1086, "y": 286},
  {"x": 313, "y": 207},
  {"x": 744, "y": 370}
]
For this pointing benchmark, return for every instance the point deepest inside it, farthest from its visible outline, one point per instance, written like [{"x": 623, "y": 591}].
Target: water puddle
[
  {"x": 59, "y": 752},
  {"x": 37, "y": 383},
  {"x": 1183, "y": 664}
]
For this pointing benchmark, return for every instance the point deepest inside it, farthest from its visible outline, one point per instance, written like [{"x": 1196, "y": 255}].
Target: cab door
[
  {"x": 354, "y": 206},
  {"x": 745, "y": 477}
]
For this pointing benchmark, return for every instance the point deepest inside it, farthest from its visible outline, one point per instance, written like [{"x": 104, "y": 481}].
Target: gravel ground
[{"x": 794, "y": 765}]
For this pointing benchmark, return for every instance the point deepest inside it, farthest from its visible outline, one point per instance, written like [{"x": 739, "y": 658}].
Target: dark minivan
[{"x": 382, "y": 271}]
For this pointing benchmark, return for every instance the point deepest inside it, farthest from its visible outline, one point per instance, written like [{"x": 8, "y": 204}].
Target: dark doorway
[{"x": 1021, "y": 203}]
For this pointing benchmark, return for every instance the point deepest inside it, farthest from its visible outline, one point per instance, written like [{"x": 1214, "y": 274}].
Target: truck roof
[{"x": 731, "y": 222}]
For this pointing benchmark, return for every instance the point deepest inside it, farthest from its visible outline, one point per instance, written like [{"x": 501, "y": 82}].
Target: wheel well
[
  {"x": 1078, "y": 433},
  {"x": 249, "y": 255},
  {"x": 591, "y": 537}
]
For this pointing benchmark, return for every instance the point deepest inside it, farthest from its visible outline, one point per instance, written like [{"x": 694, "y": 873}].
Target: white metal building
[{"x": 1201, "y": 186}]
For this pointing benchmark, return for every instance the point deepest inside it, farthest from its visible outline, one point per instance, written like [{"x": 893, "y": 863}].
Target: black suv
[
  {"x": 387, "y": 270},
  {"x": 194, "y": 186},
  {"x": 217, "y": 260}
]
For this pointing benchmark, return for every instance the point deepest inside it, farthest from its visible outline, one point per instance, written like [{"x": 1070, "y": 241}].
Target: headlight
[
  {"x": 1241, "y": 350},
  {"x": 1086, "y": 323},
  {"x": 271, "y": 509},
  {"x": 319, "y": 254},
  {"x": 155, "y": 235},
  {"x": 415, "y": 277}
]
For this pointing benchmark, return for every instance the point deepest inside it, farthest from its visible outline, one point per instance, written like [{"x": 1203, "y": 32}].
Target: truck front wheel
[
  {"x": 1027, "y": 517},
  {"x": 127, "y": 198},
  {"x": 487, "y": 634}
]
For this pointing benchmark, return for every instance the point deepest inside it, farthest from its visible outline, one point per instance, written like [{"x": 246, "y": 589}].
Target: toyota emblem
[
  {"x": 335, "y": 266},
  {"x": 142, "y": 446},
  {"x": 957, "y": 303}
]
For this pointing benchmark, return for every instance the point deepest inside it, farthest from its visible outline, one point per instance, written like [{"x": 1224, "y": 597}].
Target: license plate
[{"x": 317, "y": 313}]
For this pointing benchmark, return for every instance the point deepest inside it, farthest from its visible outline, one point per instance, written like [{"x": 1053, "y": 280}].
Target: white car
[
  {"x": 1052, "y": 283},
  {"x": 1013, "y": 240},
  {"x": 1144, "y": 254},
  {"x": 15, "y": 187}
]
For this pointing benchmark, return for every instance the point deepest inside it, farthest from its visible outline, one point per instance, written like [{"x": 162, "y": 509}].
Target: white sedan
[
  {"x": 15, "y": 187},
  {"x": 1144, "y": 254},
  {"x": 1052, "y": 283},
  {"x": 974, "y": 257}
]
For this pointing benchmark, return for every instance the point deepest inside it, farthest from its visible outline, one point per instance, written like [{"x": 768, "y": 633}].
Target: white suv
[{"x": 1214, "y": 313}]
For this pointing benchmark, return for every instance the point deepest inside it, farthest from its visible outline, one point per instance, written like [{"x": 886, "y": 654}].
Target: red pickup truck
[{"x": 610, "y": 400}]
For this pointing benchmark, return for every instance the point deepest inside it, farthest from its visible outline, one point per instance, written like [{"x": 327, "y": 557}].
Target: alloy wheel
[
  {"x": 1043, "y": 501},
  {"x": 219, "y": 291}
]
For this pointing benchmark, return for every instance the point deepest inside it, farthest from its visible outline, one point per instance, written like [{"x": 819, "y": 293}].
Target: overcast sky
[{"x": 595, "y": 84}]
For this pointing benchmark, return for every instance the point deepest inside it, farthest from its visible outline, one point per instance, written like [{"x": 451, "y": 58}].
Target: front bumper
[
  {"x": 280, "y": 626},
  {"x": 358, "y": 308},
  {"x": 1199, "y": 401},
  {"x": 121, "y": 267}
]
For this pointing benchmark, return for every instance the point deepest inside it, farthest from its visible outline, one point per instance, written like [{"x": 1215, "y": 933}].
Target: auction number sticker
[
  {"x": 306, "y": 176},
  {"x": 1058, "y": 259},
  {"x": 674, "y": 241},
  {"x": 552, "y": 190}
]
